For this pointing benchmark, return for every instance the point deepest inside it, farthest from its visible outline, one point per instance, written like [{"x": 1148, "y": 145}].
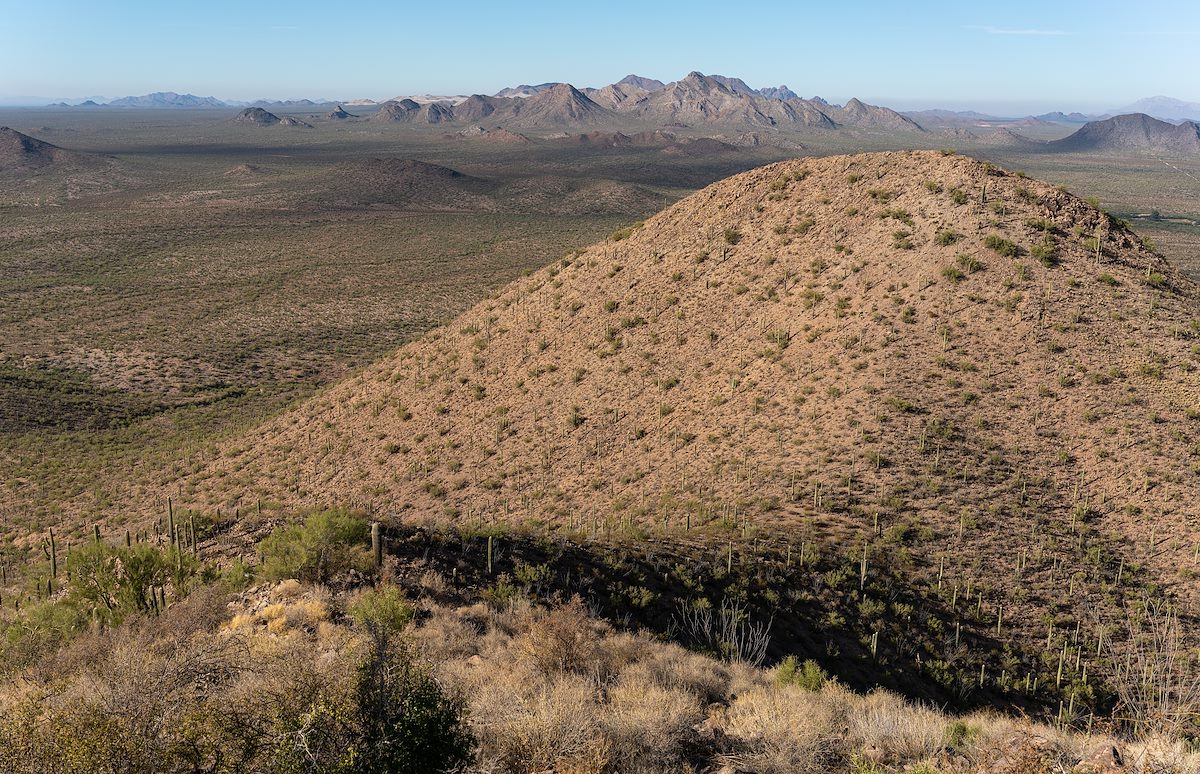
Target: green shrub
[
  {"x": 110, "y": 583},
  {"x": 405, "y": 721},
  {"x": 384, "y": 607},
  {"x": 1001, "y": 246},
  {"x": 896, "y": 213},
  {"x": 968, "y": 263},
  {"x": 1045, "y": 252},
  {"x": 38, "y": 629},
  {"x": 947, "y": 237},
  {"x": 733, "y": 236},
  {"x": 328, "y": 543},
  {"x": 809, "y": 675},
  {"x": 803, "y": 226},
  {"x": 953, "y": 274},
  {"x": 959, "y": 733},
  {"x": 625, "y": 233}
]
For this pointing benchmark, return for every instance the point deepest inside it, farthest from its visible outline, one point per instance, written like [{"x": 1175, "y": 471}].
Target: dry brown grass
[{"x": 191, "y": 690}]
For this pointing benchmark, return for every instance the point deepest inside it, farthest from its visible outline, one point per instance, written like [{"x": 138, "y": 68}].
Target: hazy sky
[{"x": 1020, "y": 56}]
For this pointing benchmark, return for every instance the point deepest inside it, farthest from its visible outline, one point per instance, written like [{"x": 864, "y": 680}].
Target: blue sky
[{"x": 1011, "y": 56}]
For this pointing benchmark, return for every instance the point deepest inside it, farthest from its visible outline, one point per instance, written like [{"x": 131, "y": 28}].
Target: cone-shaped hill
[
  {"x": 256, "y": 116},
  {"x": 20, "y": 151},
  {"x": 35, "y": 170},
  {"x": 995, "y": 378}
]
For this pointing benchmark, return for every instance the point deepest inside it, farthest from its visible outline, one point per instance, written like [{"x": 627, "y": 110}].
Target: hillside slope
[
  {"x": 35, "y": 171},
  {"x": 19, "y": 151},
  {"x": 1134, "y": 132},
  {"x": 912, "y": 349}
]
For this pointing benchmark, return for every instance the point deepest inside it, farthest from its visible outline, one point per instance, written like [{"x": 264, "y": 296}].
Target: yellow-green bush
[{"x": 326, "y": 544}]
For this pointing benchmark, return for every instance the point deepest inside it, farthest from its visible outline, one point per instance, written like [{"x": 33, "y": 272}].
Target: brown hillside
[
  {"x": 698, "y": 98},
  {"x": 615, "y": 95},
  {"x": 502, "y": 136},
  {"x": 1134, "y": 132},
  {"x": 571, "y": 196},
  {"x": 477, "y": 107},
  {"x": 35, "y": 171},
  {"x": 562, "y": 105},
  {"x": 911, "y": 344},
  {"x": 858, "y": 113},
  {"x": 20, "y": 151},
  {"x": 392, "y": 111},
  {"x": 434, "y": 113}
]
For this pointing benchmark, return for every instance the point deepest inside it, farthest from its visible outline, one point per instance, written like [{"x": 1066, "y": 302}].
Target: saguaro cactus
[{"x": 53, "y": 556}]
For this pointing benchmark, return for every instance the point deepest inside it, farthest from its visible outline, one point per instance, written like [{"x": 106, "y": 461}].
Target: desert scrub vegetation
[
  {"x": 946, "y": 237},
  {"x": 197, "y": 689},
  {"x": 241, "y": 681},
  {"x": 1001, "y": 246},
  {"x": 106, "y": 586},
  {"x": 626, "y": 232},
  {"x": 327, "y": 543}
]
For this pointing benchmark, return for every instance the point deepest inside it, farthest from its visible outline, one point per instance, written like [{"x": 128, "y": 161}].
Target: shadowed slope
[{"x": 1136, "y": 132}]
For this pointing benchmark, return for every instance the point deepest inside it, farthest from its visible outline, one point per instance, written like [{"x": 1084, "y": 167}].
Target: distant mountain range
[
  {"x": 1153, "y": 124},
  {"x": 170, "y": 99},
  {"x": 1058, "y": 117},
  {"x": 1166, "y": 108},
  {"x": 1160, "y": 107},
  {"x": 1131, "y": 133},
  {"x": 167, "y": 99},
  {"x": 696, "y": 99}
]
